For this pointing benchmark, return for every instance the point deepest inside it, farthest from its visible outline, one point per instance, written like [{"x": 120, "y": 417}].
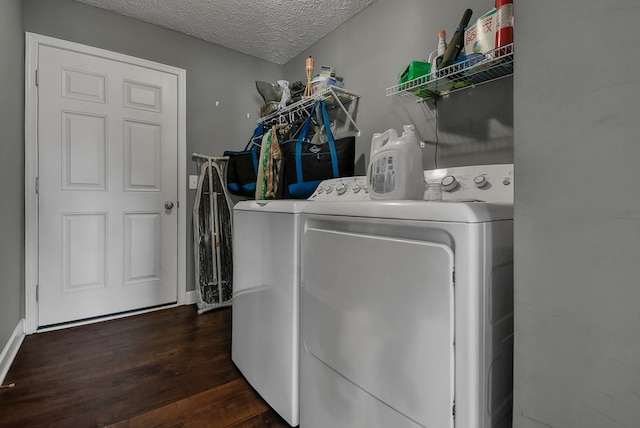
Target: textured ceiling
[{"x": 274, "y": 30}]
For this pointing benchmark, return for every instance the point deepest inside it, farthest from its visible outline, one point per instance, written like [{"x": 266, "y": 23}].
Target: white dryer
[{"x": 407, "y": 308}]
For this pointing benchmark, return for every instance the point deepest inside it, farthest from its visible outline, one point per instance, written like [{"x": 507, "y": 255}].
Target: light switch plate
[{"x": 193, "y": 182}]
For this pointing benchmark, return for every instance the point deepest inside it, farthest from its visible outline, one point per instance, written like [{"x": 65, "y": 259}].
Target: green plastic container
[{"x": 414, "y": 70}]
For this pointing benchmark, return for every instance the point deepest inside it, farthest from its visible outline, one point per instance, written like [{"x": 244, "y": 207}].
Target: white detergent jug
[
  {"x": 395, "y": 168},
  {"x": 378, "y": 140}
]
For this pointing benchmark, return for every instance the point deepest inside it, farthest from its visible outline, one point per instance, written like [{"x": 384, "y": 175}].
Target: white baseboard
[
  {"x": 191, "y": 297},
  {"x": 11, "y": 350}
]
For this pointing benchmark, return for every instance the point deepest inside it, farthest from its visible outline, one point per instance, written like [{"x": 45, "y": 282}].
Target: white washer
[
  {"x": 266, "y": 285},
  {"x": 407, "y": 308},
  {"x": 265, "y": 313}
]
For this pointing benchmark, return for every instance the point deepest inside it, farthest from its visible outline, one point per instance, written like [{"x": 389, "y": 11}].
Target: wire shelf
[
  {"x": 477, "y": 69},
  {"x": 335, "y": 97}
]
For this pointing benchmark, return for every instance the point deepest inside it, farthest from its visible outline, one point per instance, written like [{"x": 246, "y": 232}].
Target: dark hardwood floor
[{"x": 169, "y": 368}]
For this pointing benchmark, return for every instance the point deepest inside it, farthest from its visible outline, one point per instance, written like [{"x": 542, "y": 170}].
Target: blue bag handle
[
  {"x": 303, "y": 135},
  {"x": 257, "y": 135}
]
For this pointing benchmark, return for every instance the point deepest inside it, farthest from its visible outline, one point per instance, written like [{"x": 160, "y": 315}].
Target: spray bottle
[{"x": 436, "y": 56}]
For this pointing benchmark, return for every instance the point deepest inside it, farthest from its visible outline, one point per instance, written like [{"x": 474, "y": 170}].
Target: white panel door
[{"x": 107, "y": 156}]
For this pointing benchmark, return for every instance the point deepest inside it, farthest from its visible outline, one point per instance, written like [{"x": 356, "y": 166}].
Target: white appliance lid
[
  {"x": 456, "y": 212},
  {"x": 290, "y": 206}
]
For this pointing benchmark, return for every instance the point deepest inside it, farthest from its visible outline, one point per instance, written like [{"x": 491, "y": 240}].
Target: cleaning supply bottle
[
  {"x": 504, "y": 22},
  {"x": 436, "y": 56},
  {"x": 442, "y": 43},
  {"x": 395, "y": 169}
]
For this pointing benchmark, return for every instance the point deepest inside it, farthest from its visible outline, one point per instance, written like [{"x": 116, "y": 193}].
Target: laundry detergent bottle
[{"x": 395, "y": 168}]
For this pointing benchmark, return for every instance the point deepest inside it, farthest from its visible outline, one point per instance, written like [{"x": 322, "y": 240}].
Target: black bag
[
  {"x": 242, "y": 168},
  {"x": 306, "y": 164}
]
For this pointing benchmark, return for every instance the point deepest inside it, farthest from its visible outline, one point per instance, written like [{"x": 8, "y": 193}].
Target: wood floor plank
[
  {"x": 223, "y": 406},
  {"x": 166, "y": 368},
  {"x": 266, "y": 419}
]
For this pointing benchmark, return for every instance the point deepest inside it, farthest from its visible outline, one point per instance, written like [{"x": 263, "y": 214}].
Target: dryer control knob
[
  {"x": 328, "y": 189},
  {"x": 356, "y": 188},
  {"x": 449, "y": 183},
  {"x": 480, "y": 181},
  {"x": 341, "y": 188}
]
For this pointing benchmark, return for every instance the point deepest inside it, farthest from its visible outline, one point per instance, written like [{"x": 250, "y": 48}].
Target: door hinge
[
  {"x": 37, "y": 78},
  {"x": 37, "y": 185},
  {"x": 453, "y": 277},
  {"x": 37, "y": 292},
  {"x": 453, "y": 410}
]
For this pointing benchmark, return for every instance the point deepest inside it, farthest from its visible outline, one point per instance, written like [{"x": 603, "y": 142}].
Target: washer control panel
[
  {"x": 342, "y": 189},
  {"x": 482, "y": 183}
]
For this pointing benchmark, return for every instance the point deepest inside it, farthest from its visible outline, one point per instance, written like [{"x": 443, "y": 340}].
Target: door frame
[{"x": 32, "y": 43}]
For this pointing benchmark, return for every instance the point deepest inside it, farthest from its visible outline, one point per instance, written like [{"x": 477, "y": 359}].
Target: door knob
[{"x": 168, "y": 205}]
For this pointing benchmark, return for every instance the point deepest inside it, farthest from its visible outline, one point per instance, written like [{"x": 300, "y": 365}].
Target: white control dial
[
  {"x": 480, "y": 181},
  {"x": 449, "y": 183},
  {"x": 328, "y": 189},
  {"x": 356, "y": 188},
  {"x": 341, "y": 188}
]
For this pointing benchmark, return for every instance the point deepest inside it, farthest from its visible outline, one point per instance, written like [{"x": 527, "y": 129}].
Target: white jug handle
[{"x": 379, "y": 140}]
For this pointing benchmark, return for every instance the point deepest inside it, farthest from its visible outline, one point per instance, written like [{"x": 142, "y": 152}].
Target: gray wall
[
  {"x": 11, "y": 169},
  {"x": 369, "y": 50},
  {"x": 577, "y": 225},
  {"x": 214, "y": 74},
  {"x": 576, "y": 148}
]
